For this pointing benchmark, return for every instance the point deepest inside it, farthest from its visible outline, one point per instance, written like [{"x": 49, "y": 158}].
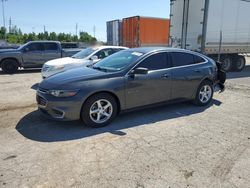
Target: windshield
[
  {"x": 21, "y": 47},
  {"x": 84, "y": 53},
  {"x": 118, "y": 61}
]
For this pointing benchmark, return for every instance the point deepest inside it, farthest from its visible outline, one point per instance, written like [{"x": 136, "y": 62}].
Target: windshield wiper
[{"x": 100, "y": 68}]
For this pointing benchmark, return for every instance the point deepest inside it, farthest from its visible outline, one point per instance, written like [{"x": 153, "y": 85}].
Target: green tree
[
  {"x": 2, "y": 32},
  {"x": 53, "y": 36}
]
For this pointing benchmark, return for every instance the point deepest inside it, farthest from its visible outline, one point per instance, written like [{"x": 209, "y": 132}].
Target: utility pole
[
  {"x": 3, "y": 13},
  {"x": 10, "y": 26},
  {"x": 76, "y": 29},
  {"x": 94, "y": 30}
]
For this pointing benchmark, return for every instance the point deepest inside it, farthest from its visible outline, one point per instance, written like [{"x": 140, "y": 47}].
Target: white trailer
[
  {"x": 114, "y": 33},
  {"x": 212, "y": 27}
]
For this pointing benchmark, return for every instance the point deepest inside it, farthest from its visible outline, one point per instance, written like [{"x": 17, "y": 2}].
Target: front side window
[
  {"x": 34, "y": 47},
  {"x": 155, "y": 62},
  {"x": 104, "y": 53}
]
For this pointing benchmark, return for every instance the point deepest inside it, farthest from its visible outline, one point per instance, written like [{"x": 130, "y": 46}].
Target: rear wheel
[
  {"x": 9, "y": 66},
  {"x": 204, "y": 94},
  {"x": 239, "y": 63},
  {"x": 99, "y": 110},
  {"x": 226, "y": 63}
]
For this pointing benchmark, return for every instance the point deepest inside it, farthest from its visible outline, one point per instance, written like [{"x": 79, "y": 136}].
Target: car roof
[
  {"x": 146, "y": 50},
  {"x": 105, "y": 47}
]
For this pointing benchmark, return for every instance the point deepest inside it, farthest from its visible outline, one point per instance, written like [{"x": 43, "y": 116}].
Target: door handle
[{"x": 165, "y": 75}]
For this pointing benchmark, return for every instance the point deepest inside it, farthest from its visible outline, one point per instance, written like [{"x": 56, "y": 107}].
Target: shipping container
[
  {"x": 114, "y": 33},
  {"x": 145, "y": 31},
  {"x": 212, "y": 27}
]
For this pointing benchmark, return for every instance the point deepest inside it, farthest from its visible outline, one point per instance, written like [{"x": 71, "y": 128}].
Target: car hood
[
  {"x": 70, "y": 76},
  {"x": 65, "y": 61},
  {"x": 8, "y": 50}
]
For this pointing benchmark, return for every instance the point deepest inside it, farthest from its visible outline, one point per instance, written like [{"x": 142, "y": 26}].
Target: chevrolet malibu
[{"x": 127, "y": 80}]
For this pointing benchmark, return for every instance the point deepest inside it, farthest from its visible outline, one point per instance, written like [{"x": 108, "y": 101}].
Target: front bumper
[{"x": 64, "y": 109}]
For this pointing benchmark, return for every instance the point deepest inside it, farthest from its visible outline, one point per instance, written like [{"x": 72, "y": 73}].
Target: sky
[{"x": 62, "y": 15}]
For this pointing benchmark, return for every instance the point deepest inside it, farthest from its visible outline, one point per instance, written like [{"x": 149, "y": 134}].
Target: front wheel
[
  {"x": 9, "y": 66},
  {"x": 99, "y": 110},
  {"x": 204, "y": 94}
]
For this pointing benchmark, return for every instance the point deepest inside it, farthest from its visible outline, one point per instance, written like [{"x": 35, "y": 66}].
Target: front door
[
  {"x": 150, "y": 88},
  {"x": 33, "y": 55}
]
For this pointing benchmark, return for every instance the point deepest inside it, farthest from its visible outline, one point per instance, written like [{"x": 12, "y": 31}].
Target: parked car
[
  {"x": 129, "y": 79},
  {"x": 32, "y": 55},
  {"x": 86, "y": 57}
]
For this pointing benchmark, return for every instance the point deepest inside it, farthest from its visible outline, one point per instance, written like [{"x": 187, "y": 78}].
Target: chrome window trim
[{"x": 169, "y": 51}]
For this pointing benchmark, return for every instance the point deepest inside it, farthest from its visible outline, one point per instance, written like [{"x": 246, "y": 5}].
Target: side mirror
[
  {"x": 94, "y": 57},
  {"x": 26, "y": 49},
  {"x": 140, "y": 70}
]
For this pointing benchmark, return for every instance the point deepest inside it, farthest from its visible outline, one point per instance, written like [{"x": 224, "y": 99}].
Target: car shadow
[
  {"x": 36, "y": 127},
  {"x": 23, "y": 71}
]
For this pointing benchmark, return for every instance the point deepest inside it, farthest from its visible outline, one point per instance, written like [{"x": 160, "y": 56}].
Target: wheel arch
[
  {"x": 12, "y": 58},
  {"x": 204, "y": 79},
  {"x": 107, "y": 92}
]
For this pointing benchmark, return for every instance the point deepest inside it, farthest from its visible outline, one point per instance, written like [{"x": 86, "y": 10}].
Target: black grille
[{"x": 41, "y": 101}]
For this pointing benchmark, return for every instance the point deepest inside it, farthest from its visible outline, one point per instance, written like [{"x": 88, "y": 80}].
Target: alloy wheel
[
  {"x": 205, "y": 94},
  {"x": 101, "y": 111}
]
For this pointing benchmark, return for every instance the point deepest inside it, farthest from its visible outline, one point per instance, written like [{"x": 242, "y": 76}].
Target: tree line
[{"x": 15, "y": 36}]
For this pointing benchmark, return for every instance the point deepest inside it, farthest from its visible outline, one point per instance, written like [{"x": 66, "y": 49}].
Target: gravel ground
[{"x": 175, "y": 146}]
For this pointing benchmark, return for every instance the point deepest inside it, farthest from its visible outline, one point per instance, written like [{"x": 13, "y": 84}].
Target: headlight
[
  {"x": 55, "y": 68},
  {"x": 63, "y": 93}
]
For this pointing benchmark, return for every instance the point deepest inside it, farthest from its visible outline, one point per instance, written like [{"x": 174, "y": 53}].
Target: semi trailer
[{"x": 218, "y": 28}]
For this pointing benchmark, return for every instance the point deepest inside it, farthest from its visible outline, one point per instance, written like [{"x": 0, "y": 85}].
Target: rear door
[
  {"x": 51, "y": 51},
  {"x": 187, "y": 72},
  {"x": 153, "y": 87},
  {"x": 33, "y": 55}
]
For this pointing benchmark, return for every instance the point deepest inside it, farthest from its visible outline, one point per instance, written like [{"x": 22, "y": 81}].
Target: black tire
[
  {"x": 227, "y": 62},
  {"x": 239, "y": 63},
  {"x": 198, "y": 95},
  {"x": 9, "y": 66},
  {"x": 90, "y": 103}
]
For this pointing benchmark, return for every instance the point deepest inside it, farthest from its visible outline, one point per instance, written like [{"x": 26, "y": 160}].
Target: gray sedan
[{"x": 128, "y": 80}]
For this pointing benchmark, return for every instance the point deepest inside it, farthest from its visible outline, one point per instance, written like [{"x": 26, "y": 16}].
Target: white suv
[{"x": 86, "y": 57}]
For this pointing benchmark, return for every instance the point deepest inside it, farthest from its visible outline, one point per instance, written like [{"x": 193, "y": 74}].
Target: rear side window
[
  {"x": 198, "y": 59},
  {"x": 50, "y": 46},
  {"x": 117, "y": 50},
  {"x": 181, "y": 59},
  {"x": 155, "y": 62}
]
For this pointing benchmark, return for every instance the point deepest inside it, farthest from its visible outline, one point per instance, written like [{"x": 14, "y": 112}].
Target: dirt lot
[{"x": 173, "y": 146}]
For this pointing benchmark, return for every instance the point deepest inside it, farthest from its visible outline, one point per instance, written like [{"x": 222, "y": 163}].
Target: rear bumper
[{"x": 219, "y": 87}]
